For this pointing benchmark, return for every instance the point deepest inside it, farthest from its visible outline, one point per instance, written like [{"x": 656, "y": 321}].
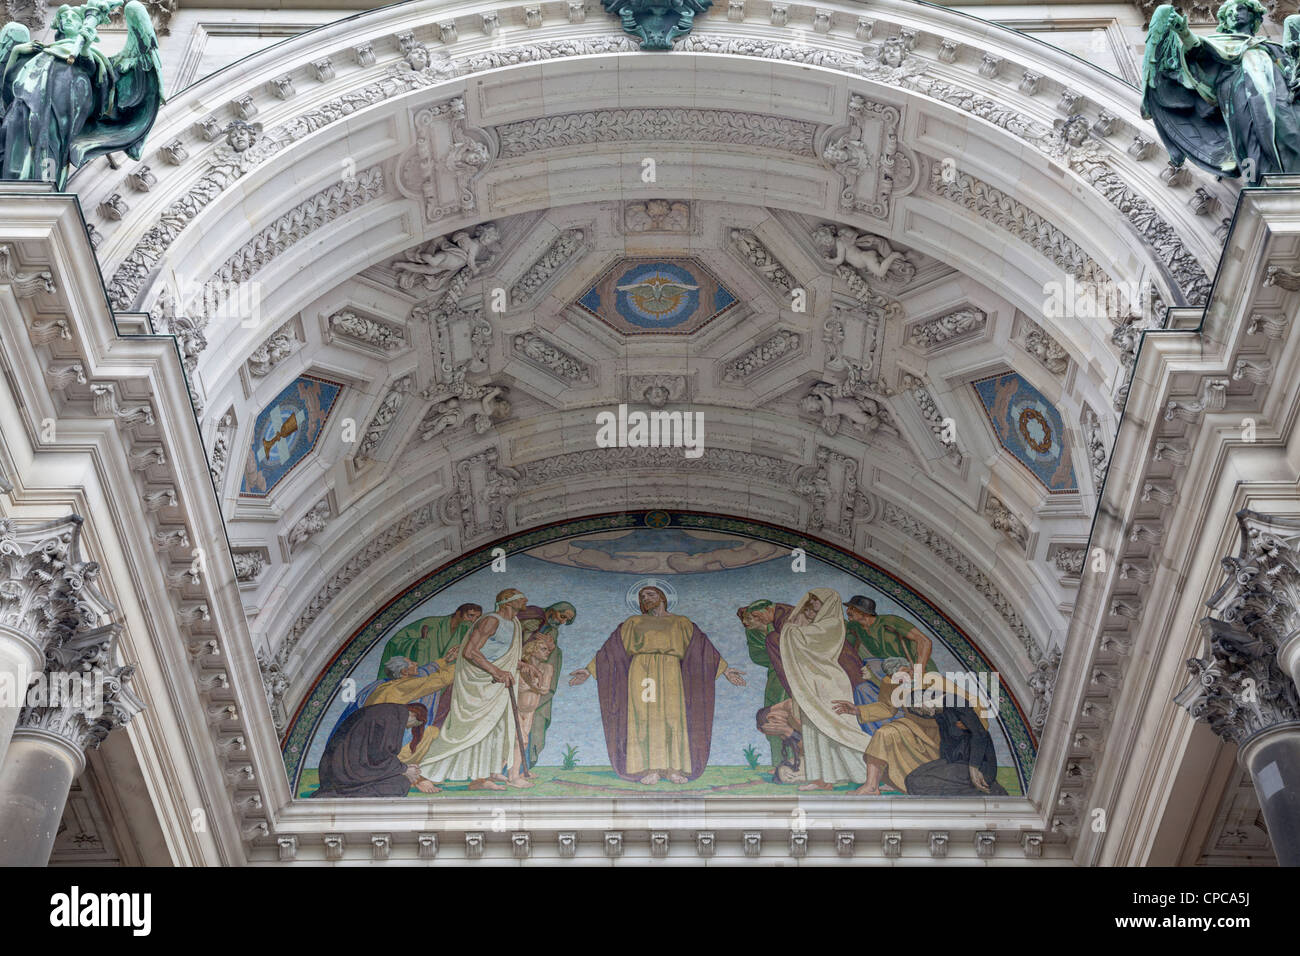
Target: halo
[{"x": 634, "y": 591}]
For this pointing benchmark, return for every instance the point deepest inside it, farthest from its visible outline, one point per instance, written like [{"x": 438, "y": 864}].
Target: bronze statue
[
  {"x": 65, "y": 102},
  {"x": 1225, "y": 100}
]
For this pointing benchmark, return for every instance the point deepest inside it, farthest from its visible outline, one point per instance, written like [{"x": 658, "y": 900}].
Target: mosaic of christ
[{"x": 661, "y": 659}]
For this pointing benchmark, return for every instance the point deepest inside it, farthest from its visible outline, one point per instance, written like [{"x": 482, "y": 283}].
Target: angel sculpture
[
  {"x": 1226, "y": 100},
  {"x": 449, "y": 258},
  {"x": 860, "y": 250},
  {"x": 482, "y": 404},
  {"x": 823, "y": 400},
  {"x": 64, "y": 103}
]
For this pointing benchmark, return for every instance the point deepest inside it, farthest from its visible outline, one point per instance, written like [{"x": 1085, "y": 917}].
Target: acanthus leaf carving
[
  {"x": 673, "y": 124},
  {"x": 384, "y": 416},
  {"x": 899, "y": 518},
  {"x": 947, "y": 328},
  {"x": 757, "y": 358}
]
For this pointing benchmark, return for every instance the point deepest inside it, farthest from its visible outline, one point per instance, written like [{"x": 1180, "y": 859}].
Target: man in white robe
[
  {"x": 478, "y": 739},
  {"x": 811, "y": 643}
]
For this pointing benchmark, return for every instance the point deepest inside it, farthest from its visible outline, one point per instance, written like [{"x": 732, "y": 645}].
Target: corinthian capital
[
  {"x": 1262, "y": 593},
  {"x": 47, "y": 593},
  {"x": 81, "y": 696},
  {"x": 1239, "y": 690},
  {"x": 81, "y": 706},
  {"x": 1242, "y": 688}
]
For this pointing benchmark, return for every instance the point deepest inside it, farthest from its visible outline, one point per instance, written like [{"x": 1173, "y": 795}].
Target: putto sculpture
[
  {"x": 65, "y": 102},
  {"x": 1226, "y": 100}
]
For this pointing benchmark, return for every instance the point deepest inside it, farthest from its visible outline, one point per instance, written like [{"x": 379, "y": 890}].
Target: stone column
[
  {"x": 1246, "y": 689},
  {"x": 46, "y": 598},
  {"x": 87, "y": 699}
]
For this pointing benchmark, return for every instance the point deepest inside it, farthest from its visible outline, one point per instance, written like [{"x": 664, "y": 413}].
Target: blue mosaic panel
[
  {"x": 1029, "y": 427},
  {"x": 657, "y": 295},
  {"x": 286, "y": 431}
]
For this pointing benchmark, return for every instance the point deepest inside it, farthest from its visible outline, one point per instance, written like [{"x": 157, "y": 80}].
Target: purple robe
[{"x": 699, "y": 674}]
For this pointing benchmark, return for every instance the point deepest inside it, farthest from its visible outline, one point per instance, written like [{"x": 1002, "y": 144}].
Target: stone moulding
[
  {"x": 131, "y": 275},
  {"x": 686, "y": 125},
  {"x": 913, "y": 527}
]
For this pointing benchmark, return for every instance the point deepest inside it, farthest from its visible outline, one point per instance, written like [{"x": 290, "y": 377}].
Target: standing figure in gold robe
[{"x": 655, "y": 676}]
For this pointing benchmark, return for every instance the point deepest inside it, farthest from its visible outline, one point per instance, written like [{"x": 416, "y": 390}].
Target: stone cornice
[
  {"x": 153, "y": 524},
  {"x": 1178, "y": 455}
]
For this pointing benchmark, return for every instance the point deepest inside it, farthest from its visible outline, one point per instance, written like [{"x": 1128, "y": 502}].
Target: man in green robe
[
  {"x": 759, "y": 619},
  {"x": 430, "y": 638},
  {"x": 883, "y": 636}
]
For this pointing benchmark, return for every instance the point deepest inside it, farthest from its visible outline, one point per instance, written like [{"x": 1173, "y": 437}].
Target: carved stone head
[
  {"x": 656, "y": 395},
  {"x": 892, "y": 52},
  {"x": 823, "y": 238},
  {"x": 1075, "y": 130}
]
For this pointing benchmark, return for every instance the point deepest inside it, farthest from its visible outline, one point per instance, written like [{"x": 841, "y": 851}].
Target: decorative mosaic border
[{"x": 302, "y": 729}]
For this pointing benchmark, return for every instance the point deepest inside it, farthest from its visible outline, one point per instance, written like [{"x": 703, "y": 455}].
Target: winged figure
[
  {"x": 65, "y": 102},
  {"x": 657, "y": 295},
  {"x": 1224, "y": 100}
]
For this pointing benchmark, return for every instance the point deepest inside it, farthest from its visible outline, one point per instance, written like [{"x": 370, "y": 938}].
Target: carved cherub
[
  {"x": 657, "y": 391},
  {"x": 448, "y": 258},
  {"x": 862, "y": 251},
  {"x": 493, "y": 405},
  {"x": 849, "y": 157},
  {"x": 484, "y": 405},
  {"x": 657, "y": 215},
  {"x": 446, "y": 414},
  {"x": 822, "y": 400},
  {"x": 657, "y": 395},
  {"x": 468, "y": 156}
]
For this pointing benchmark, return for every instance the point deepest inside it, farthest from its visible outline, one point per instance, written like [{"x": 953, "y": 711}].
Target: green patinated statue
[
  {"x": 65, "y": 102},
  {"x": 656, "y": 23},
  {"x": 1226, "y": 101}
]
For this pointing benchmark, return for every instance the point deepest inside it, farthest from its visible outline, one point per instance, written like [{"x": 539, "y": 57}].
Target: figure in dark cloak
[
  {"x": 760, "y": 618},
  {"x": 360, "y": 758},
  {"x": 1223, "y": 100},
  {"x": 967, "y": 764},
  {"x": 64, "y": 103}
]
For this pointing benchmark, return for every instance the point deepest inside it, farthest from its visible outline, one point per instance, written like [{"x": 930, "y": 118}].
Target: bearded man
[
  {"x": 656, "y": 676},
  {"x": 479, "y": 739}
]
